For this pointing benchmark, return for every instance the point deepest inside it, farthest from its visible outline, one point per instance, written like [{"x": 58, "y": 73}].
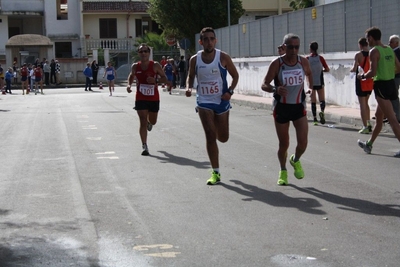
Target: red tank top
[
  {"x": 145, "y": 91},
  {"x": 38, "y": 73}
]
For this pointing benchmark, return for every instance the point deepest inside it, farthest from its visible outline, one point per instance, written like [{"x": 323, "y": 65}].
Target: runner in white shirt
[
  {"x": 211, "y": 67},
  {"x": 289, "y": 72}
]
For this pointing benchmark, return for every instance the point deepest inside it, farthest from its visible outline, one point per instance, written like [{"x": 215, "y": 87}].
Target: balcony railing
[{"x": 115, "y": 45}]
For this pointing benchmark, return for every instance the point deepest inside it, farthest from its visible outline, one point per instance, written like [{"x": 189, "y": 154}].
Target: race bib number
[
  {"x": 147, "y": 89},
  {"x": 293, "y": 77},
  {"x": 209, "y": 88}
]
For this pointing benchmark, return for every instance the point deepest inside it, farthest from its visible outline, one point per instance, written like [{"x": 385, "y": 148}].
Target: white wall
[
  {"x": 339, "y": 84},
  {"x": 62, "y": 27},
  {"x": 91, "y": 25},
  {"x": 3, "y": 34}
]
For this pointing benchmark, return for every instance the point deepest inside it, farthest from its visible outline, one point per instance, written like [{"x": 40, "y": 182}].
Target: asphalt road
[{"x": 75, "y": 191}]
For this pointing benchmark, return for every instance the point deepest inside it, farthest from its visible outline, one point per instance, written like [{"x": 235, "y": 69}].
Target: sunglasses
[
  {"x": 208, "y": 38},
  {"x": 293, "y": 47},
  {"x": 143, "y": 51}
]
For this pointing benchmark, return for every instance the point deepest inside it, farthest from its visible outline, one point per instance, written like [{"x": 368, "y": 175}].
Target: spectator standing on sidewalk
[
  {"x": 148, "y": 74},
  {"x": 95, "y": 71},
  {"x": 58, "y": 72},
  {"x": 89, "y": 77},
  {"x": 210, "y": 66},
  {"x": 2, "y": 74},
  {"x": 290, "y": 71},
  {"x": 318, "y": 67},
  {"x": 15, "y": 70},
  {"x": 281, "y": 50},
  {"x": 363, "y": 87},
  {"x": 31, "y": 69},
  {"x": 382, "y": 70},
  {"x": 9, "y": 76},
  {"x": 182, "y": 72},
  {"x": 24, "y": 72},
  {"x": 394, "y": 44},
  {"x": 46, "y": 70},
  {"x": 53, "y": 79}
]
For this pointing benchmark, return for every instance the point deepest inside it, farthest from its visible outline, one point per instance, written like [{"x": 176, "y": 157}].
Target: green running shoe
[
  {"x": 282, "y": 178},
  {"x": 322, "y": 117},
  {"x": 364, "y": 145},
  {"x": 315, "y": 121},
  {"x": 215, "y": 178},
  {"x": 298, "y": 170},
  {"x": 364, "y": 130}
]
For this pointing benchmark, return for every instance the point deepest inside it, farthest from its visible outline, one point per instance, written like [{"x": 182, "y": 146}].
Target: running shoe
[
  {"x": 364, "y": 130},
  {"x": 322, "y": 117},
  {"x": 145, "y": 151},
  {"x": 369, "y": 126},
  {"x": 149, "y": 126},
  {"x": 282, "y": 178},
  {"x": 397, "y": 155},
  {"x": 385, "y": 120},
  {"x": 364, "y": 145},
  {"x": 214, "y": 179},
  {"x": 315, "y": 121},
  {"x": 298, "y": 170}
]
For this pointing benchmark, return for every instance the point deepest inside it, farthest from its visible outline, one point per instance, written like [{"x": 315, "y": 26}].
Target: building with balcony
[
  {"x": 112, "y": 26},
  {"x": 55, "y": 19},
  {"x": 75, "y": 31},
  {"x": 258, "y": 9}
]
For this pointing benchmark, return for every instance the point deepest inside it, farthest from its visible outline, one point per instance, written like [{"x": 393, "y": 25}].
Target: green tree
[
  {"x": 157, "y": 42},
  {"x": 300, "y": 4},
  {"x": 186, "y": 18}
]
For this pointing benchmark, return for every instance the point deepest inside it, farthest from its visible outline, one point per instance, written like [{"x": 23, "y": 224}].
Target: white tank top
[{"x": 211, "y": 79}]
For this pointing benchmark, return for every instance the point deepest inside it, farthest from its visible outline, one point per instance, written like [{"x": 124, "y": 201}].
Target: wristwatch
[{"x": 230, "y": 91}]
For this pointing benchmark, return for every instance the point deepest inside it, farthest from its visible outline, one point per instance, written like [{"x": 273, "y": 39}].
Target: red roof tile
[{"x": 133, "y": 7}]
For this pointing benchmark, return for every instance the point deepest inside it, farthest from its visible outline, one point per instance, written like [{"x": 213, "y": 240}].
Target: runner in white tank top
[
  {"x": 210, "y": 66},
  {"x": 288, "y": 71}
]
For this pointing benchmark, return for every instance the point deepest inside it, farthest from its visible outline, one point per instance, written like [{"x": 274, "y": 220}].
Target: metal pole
[
  {"x": 229, "y": 25},
  {"x": 229, "y": 13}
]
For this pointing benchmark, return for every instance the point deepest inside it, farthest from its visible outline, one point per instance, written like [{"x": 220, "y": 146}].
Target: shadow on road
[
  {"x": 169, "y": 158},
  {"x": 276, "y": 199},
  {"x": 353, "y": 204}
]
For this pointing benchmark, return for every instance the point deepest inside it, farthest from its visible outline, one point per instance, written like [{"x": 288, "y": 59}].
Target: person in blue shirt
[
  {"x": 89, "y": 77},
  {"x": 9, "y": 76},
  {"x": 169, "y": 70}
]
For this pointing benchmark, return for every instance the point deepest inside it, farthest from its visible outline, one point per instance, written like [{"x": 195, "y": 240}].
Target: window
[
  {"x": 62, "y": 9},
  {"x": 63, "y": 49},
  {"x": 108, "y": 28}
]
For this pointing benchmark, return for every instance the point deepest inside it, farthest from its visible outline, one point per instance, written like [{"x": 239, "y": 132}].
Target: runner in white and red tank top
[{"x": 289, "y": 71}]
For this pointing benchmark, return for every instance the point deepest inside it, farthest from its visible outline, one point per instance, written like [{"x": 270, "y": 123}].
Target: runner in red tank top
[
  {"x": 148, "y": 74},
  {"x": 38, "y": 79}
]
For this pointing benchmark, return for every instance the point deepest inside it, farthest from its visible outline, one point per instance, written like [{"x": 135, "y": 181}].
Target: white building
[{"x": 78, "y": 30}]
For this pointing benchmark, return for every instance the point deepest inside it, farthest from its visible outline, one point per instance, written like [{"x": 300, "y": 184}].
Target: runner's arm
[
  {"x": 131, "y": 77},
  {"x": 323, "y": 62},
  {"x": 272, "y": 72}
]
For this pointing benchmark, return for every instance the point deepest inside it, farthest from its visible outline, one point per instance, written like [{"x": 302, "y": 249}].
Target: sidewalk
[{"x": 333, "y": 114}]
